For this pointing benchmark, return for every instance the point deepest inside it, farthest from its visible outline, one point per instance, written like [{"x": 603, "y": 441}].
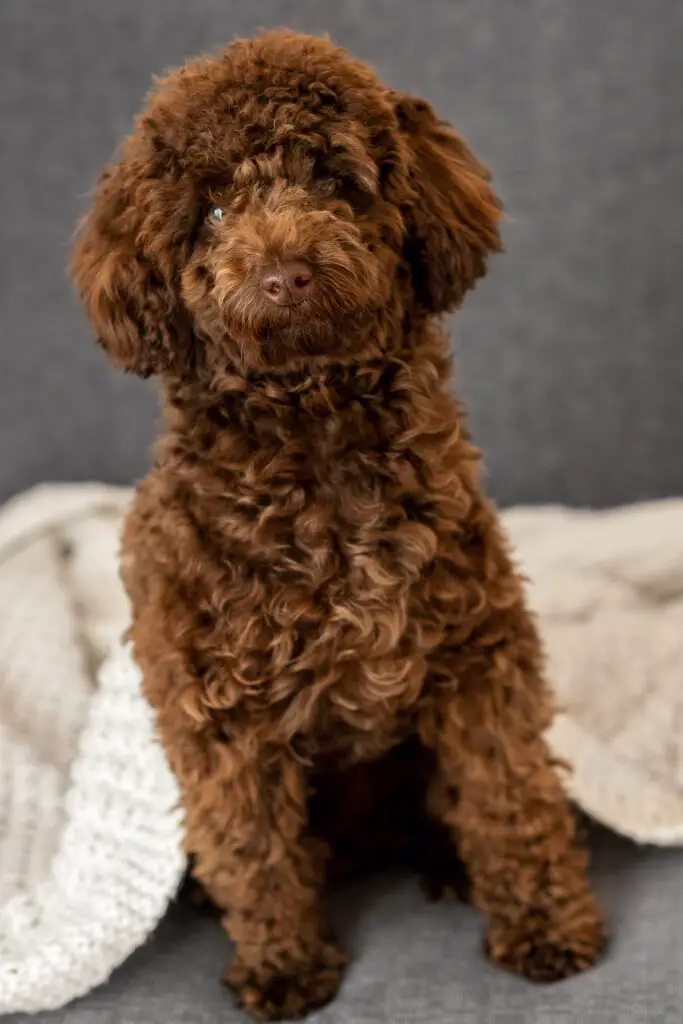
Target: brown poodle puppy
[{"x": 326, "y": 614}]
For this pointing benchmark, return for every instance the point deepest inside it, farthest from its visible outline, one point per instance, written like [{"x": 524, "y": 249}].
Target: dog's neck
[{"x": 312, "y": 399}]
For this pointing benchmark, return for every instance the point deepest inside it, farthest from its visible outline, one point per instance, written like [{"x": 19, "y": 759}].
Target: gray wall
[{"x": 570, "y": 354}]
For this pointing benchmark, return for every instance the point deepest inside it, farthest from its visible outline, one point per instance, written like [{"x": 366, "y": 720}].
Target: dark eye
[
  {"x": 358, "y": 198},
  {"x": 216, "y": 214},
  {"x": 327, "y": 187}
]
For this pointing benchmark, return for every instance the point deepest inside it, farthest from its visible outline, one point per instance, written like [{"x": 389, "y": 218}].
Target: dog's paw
[
  {"x": 269, "y": 994},
  {"x": 540, "y": 951}
]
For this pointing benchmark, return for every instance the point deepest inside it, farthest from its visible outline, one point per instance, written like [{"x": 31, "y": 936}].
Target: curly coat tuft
[{"x": 327, "y": 617}]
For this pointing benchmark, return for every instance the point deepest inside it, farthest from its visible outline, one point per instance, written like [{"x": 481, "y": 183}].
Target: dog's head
[{"x": 277, "y": 203}]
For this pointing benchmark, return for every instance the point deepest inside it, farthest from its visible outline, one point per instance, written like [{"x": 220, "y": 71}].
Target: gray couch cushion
[
  {"x": 415, "y": 963},
  {"x": 570, "y": 352}
]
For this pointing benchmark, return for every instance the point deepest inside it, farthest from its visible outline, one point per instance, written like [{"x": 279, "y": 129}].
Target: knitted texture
[
  {"x": 90, "y": 833},
  {"x": 608, "y": 590}
]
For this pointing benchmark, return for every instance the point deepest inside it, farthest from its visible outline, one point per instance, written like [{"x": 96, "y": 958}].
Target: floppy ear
[
  {"x": 452, "y": 219},
  {"x": 123, "y": 266}
]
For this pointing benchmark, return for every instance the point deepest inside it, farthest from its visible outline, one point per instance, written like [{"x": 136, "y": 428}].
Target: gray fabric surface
[
  {"x": 415, "y": 963},
  {"x": 570, "y": 352}
]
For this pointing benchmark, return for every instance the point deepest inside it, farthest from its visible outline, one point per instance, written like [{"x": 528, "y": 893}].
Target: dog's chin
[{"x": 284, "y": 337}]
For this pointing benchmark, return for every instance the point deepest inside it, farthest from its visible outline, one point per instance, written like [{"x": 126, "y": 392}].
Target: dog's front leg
[
  {"x": 497, "y": 788},
  {"x": 246, "y": 815}
]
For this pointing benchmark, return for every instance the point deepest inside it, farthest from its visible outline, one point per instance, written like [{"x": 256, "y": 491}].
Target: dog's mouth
[
  {"x": 304, "y": 330},
  {"x": 319, "y": 303},
  {"x": 326, "y": 320},
  {"x": 273, "y": 317}
]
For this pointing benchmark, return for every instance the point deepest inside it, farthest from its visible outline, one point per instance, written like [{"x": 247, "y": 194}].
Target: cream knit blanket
[{"x": 90, "y": 834}]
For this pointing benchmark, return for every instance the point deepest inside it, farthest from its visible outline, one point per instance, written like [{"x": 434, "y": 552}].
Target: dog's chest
[{"x": 316, "y": 619}]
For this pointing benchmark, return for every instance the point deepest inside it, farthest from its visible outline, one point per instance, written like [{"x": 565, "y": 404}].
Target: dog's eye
[
  {"x": 358, "y": 198},
  {"x": 327, "y": 187},
  {"x": 216, "y": 214}
]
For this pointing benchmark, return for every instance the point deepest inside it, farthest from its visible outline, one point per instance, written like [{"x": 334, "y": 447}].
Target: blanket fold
[{"x": 90, "y": 832}]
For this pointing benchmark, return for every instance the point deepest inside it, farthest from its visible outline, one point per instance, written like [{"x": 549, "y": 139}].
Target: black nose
[{"x": 288, "y": 283}]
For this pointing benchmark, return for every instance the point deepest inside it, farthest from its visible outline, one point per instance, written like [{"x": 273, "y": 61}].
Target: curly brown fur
[{"x": 323, "y": 599}]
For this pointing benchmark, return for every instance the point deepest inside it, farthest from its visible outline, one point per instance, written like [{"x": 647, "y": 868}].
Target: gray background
[{"x": 570, "y": 353}]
